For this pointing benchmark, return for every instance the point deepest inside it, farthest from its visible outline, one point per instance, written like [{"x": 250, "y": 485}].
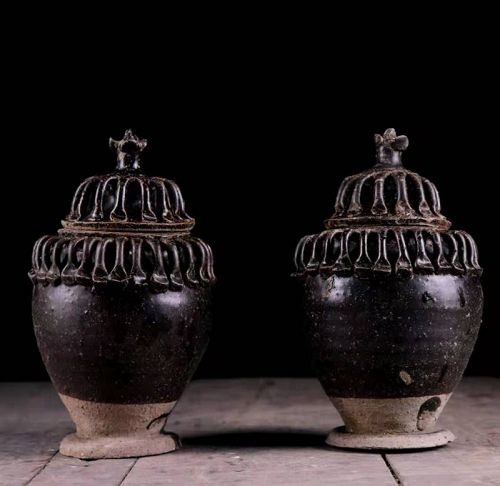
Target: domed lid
[
  {"x": 126, "y": 200},
  {"x": 388, "y": 194}
]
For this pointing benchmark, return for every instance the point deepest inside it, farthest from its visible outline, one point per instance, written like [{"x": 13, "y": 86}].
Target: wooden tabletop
[{"x": 250, "y": 432}]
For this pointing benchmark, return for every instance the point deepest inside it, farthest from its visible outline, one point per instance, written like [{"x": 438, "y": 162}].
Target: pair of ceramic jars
[{"x": 121, "y": 307}]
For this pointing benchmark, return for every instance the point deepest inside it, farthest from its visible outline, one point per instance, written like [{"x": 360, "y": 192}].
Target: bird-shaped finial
[{"x": 389, "y": 147}]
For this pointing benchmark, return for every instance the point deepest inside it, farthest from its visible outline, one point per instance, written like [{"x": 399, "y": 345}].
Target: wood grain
[
  {"x": 473, "y": 415},
  {"x": 250, "y": 432}
]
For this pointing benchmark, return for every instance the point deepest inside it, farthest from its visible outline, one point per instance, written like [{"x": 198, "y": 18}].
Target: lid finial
[
  {"x": 389, "y": 148},
  {"x": 128, "y": 151}
]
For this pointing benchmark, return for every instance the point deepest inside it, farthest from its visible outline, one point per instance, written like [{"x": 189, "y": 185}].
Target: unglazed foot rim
[
  {"x": 338, "y": 437},
  {"x": 113, "y": 447}
]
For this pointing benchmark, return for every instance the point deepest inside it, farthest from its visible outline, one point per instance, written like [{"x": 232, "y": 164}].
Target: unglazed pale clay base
[
  {"x": 390, "y": 423},
  {"x": 340, "y": 438},
  {"x": 134, "y": 445},
  {"x": 112, "y": 430}
]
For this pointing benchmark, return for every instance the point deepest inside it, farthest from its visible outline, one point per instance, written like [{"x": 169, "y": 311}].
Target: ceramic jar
[
  {"x": 393, "y": 305},
  {"x": 121, "y": 308}
]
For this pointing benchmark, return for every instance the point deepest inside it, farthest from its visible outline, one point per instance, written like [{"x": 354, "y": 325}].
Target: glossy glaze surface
[
  {"x": 390, "y": 337},
  {"x": 121, "y": 346}
]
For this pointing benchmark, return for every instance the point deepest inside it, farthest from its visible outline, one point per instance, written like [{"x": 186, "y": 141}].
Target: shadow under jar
[
  {"x": 121, "y": 308},
  {"x": 393, "y": 305}
]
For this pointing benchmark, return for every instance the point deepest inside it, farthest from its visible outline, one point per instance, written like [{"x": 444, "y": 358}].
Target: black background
[{"x": 259, "y": 147}]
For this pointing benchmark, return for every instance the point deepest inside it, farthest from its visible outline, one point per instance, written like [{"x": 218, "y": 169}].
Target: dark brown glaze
[
  {"x": 111, "y": 345},
  {"x": 127, "y": 200},
  {"x": 388, "y": 194},
  {"x": 392, "y": 296},
  {"x": 365, "y": 332},
  {"x": 400, "y": 251},
  {"x": 129, "y": 197},
  {"x": 160, "y": 263},
  {"x": 121, "y": 299}
]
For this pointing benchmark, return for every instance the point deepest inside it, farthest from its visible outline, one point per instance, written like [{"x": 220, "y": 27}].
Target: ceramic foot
[
  {"x": 116, "y": 447},
  {"x": 112, "y": 430},
  {"x": 338, "y": 437}
]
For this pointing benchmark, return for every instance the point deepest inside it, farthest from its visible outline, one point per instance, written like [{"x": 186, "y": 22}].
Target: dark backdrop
[
  {"x": 259, "y": 153},
  {"x": 254, "y": 191}
]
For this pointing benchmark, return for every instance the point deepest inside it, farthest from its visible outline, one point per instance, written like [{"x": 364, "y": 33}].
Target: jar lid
[
  {"x": 387, "y": 221},
  {"x": 127, "y": 200},
  {"x": 125, "y": 229},
  {"x": 387, "y": 194}
]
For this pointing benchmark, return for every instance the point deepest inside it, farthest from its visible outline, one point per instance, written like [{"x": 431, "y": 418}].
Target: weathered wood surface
[
  {"x": 473, "y": 415},
  {"x": 250, "y": 431}
]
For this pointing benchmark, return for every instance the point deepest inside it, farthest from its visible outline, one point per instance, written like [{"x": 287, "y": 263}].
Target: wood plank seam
[
  {"x": 392, "y": 470},
  {"x": 43, "y": 467},
  {"x": 129, "y": 470},
  {"x": 32, "y": 426}
]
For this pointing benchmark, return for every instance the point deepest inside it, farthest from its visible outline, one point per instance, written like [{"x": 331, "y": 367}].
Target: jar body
[
  {"x": 393, "y": 304},
  {"x": 389, "y": 351},
  {"x": 120, "y": 358},
  {"x": 121, "y": 307}
]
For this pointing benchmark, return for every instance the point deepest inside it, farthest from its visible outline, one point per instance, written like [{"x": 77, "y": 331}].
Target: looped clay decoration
[
  {"x": 393, "y": 305},
  {"x": 121, "y": 308}
]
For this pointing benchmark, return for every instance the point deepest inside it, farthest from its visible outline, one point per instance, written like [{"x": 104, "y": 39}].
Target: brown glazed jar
[
  {"x": 393, "y": 305},
  {"x": 121, "y": 308}
]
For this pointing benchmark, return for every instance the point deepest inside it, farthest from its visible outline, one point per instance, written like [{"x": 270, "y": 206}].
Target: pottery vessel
[
  {"x": 121, "y": 308},
  {"x": 393, "y": 305}
]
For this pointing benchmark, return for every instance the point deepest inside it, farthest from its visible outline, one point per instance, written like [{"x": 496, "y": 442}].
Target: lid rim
[
  {"x": 126, "y": 227},
  {"x": 367, "y": 221}
]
